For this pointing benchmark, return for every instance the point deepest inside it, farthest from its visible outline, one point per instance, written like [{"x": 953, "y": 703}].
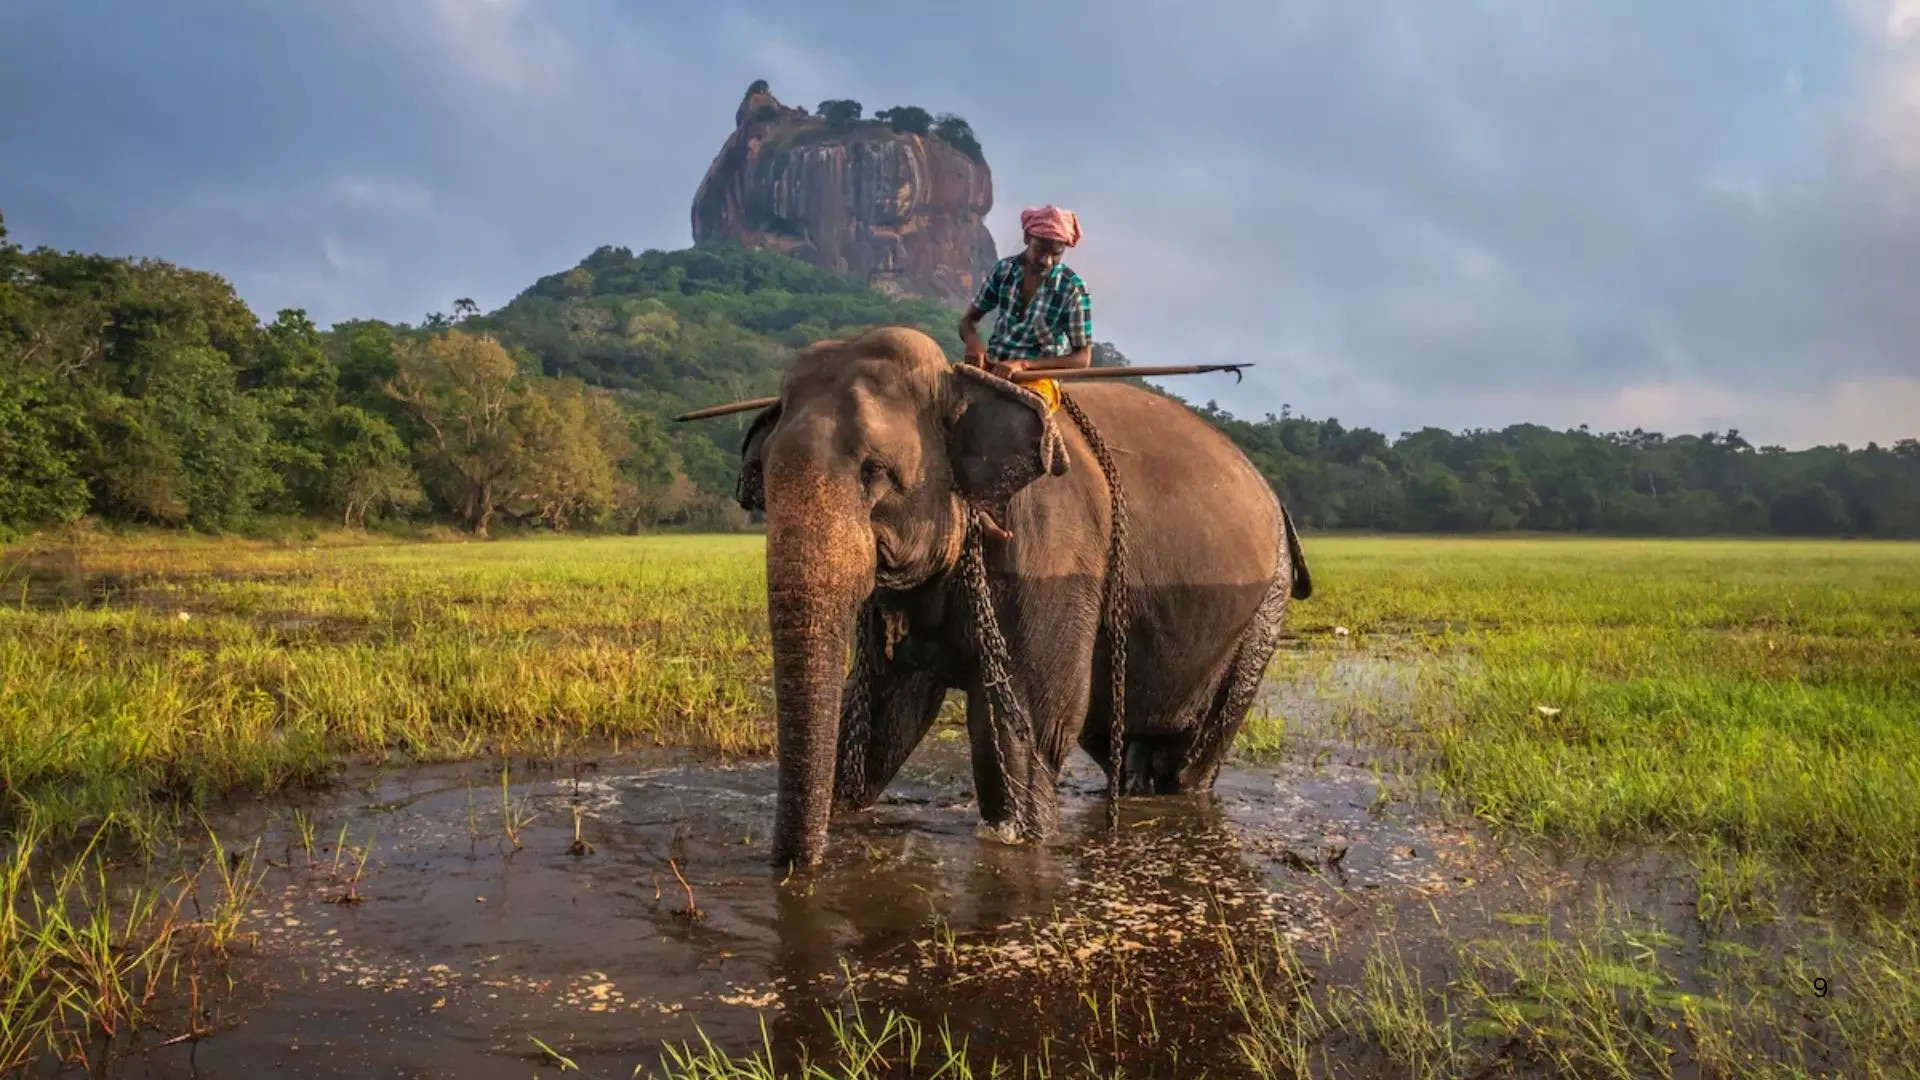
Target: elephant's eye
[{"x": 874, "y": 473}]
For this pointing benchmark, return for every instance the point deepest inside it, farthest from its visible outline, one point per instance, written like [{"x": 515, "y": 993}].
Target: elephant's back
[{"x": 1200, "y": 514}]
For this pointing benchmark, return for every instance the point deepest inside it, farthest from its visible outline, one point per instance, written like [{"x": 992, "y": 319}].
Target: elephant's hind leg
[{"x": 1209, "y": 741}]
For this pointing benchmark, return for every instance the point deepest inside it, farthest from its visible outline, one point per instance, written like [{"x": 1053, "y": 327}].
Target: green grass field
[
  {"x": 1753, "y": 706},
  {"x": 177, "y": 668}
]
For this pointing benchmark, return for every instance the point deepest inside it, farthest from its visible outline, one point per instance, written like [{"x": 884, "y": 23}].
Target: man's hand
[
  {"x": 975, "y": 358},
  {"x": 1007, "y": 369}
]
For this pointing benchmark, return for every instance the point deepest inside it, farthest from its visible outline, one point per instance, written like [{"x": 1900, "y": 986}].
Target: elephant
[{"x": 873, "y": 469}]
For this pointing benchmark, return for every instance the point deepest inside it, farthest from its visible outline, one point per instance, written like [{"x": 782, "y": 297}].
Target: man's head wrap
[{"x": 1051, "y": 223}]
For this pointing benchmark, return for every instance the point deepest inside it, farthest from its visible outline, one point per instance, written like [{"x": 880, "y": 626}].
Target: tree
[
  {"x": 367, "y": 467},
  {"x": 364, "y": 352},
  {"x": 959, "y": 133},
  {"x": 138, "y": 391},
  {"x": 1811, "y": 508},
  {"x": 572, "y": 437},
  {"x": 40, "y": 479},
  {"x": 840, "y": 112},
  {"x": 464, "y": 389},
  {"x": 911, "y": 119},
  {"x": 294, "y": 382},
  {"x": 647, "y": 474}
]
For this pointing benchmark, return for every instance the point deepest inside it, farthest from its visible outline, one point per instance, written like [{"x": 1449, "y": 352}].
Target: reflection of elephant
[{"x": 866, "y": 470}]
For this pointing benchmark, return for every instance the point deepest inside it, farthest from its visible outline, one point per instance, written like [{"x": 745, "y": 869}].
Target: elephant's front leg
[
  {"x": 1016, "y": 789},
  {"x": 1028, "y": 691},
  {"x": 880, "y": 726}
]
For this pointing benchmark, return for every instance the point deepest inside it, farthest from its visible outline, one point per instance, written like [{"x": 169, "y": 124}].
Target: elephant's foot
[
  {"x": 1030, "y": 816},
  {"x": 1014, "y": 833},
  {"x": 845, "y": 808},
  {"x": 1006, "y": 832},
  {"x": 1153, "y": 764}
]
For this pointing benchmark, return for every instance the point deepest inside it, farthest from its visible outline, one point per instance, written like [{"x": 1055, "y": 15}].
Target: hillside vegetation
[{"x": 136, "y": 391}]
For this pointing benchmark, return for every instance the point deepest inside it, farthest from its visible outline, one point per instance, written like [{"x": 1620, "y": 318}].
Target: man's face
[{"x": 1044, "y": 253}]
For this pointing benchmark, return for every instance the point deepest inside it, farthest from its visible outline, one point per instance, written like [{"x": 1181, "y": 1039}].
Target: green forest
[{"x": 134, "y": 391}]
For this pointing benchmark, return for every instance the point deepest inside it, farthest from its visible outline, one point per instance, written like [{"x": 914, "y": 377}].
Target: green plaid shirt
[{"x": 1057, "y": 321}]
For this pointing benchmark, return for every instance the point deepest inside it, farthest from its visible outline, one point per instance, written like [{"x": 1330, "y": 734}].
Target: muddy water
[{"x": 454, "y": 948}]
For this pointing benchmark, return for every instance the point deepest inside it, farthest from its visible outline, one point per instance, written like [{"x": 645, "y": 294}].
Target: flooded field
[
  {"x": 614, "y": 905},
  {"x": 1642, "y": 811}
]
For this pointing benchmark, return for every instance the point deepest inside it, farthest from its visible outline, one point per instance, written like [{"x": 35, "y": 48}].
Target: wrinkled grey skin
[{"x": 864, "y": 470}]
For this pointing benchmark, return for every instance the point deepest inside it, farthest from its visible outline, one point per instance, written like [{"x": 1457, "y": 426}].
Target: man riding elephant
[
  {"x": 1045, "y": 315},
  {"x": 1043, "y": 312}
]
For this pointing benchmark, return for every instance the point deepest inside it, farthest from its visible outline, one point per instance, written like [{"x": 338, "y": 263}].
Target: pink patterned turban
[{"x": 1051, "y": 223}]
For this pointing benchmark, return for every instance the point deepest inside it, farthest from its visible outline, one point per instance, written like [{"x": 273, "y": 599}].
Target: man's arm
[
  {"x": 986, "y": 299},
  {"x": 975, "y": 352},
  {"x": 1079, "y": 334}
]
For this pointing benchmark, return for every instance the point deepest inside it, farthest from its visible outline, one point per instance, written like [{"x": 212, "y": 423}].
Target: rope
[{"x": 1116, "y": 606}]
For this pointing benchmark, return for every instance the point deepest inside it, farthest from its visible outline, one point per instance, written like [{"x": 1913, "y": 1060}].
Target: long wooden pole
[{"x": 1066, "y": 374}]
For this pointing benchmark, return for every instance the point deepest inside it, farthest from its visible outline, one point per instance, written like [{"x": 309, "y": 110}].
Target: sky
[{"x": 1674, "y": 215}]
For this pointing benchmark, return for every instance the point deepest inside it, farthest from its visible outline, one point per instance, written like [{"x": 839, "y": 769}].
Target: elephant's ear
[
  {"x": 749, "y": 488},
  {"x": 1000, "y": 438}
]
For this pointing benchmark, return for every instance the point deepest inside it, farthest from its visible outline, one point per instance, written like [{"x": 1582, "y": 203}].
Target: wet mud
[{"x": 605, "y": 908}]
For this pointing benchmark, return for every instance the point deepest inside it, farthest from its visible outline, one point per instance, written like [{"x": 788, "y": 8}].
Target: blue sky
[{"x": 1679, "y": 216}]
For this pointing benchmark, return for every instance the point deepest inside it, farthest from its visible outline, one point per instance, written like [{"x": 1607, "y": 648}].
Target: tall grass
[
  {"x": 220, "y": 667},
  {"x": 1752, "y": 697}
]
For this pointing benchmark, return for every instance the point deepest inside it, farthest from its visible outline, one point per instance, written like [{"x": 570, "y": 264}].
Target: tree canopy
[
  {"x": 840, "y": 112},
  {"x": 959, "y": 133},
  {"x": 907, "y": 118}
]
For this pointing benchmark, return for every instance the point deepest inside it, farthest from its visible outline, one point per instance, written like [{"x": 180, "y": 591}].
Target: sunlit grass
[
  {"x": 170, "y": 671},
  {"x": 865, "y": 1043},
  {"x": 1608, "y": 995},
  {"x": 1736, "y": 696}
]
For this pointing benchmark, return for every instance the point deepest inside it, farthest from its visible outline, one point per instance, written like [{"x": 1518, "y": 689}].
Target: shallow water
[{"x": 458, "y": 947}]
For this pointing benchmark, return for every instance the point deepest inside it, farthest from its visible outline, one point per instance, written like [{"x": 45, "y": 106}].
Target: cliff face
[{"x": 898, "y": 210}]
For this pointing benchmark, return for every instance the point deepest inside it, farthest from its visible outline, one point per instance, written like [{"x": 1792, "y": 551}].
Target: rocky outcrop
[{"x": 899, "y": 210}]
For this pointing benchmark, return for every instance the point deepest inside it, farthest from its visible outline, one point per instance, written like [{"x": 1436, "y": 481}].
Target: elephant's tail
[{"x": 1302, "y": 579}]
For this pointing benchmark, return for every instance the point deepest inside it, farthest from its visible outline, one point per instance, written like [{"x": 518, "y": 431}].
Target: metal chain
[
  {"x": 1117, "y": 607},
  {"x": 1008, "y": 723}
]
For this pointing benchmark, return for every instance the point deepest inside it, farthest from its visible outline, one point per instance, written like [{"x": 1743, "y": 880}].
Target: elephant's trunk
[{"x": 820, "y": 562}]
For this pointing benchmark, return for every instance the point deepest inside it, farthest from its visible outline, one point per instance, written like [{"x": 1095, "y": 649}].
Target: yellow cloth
[{"x": 1049, "y": 391}]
